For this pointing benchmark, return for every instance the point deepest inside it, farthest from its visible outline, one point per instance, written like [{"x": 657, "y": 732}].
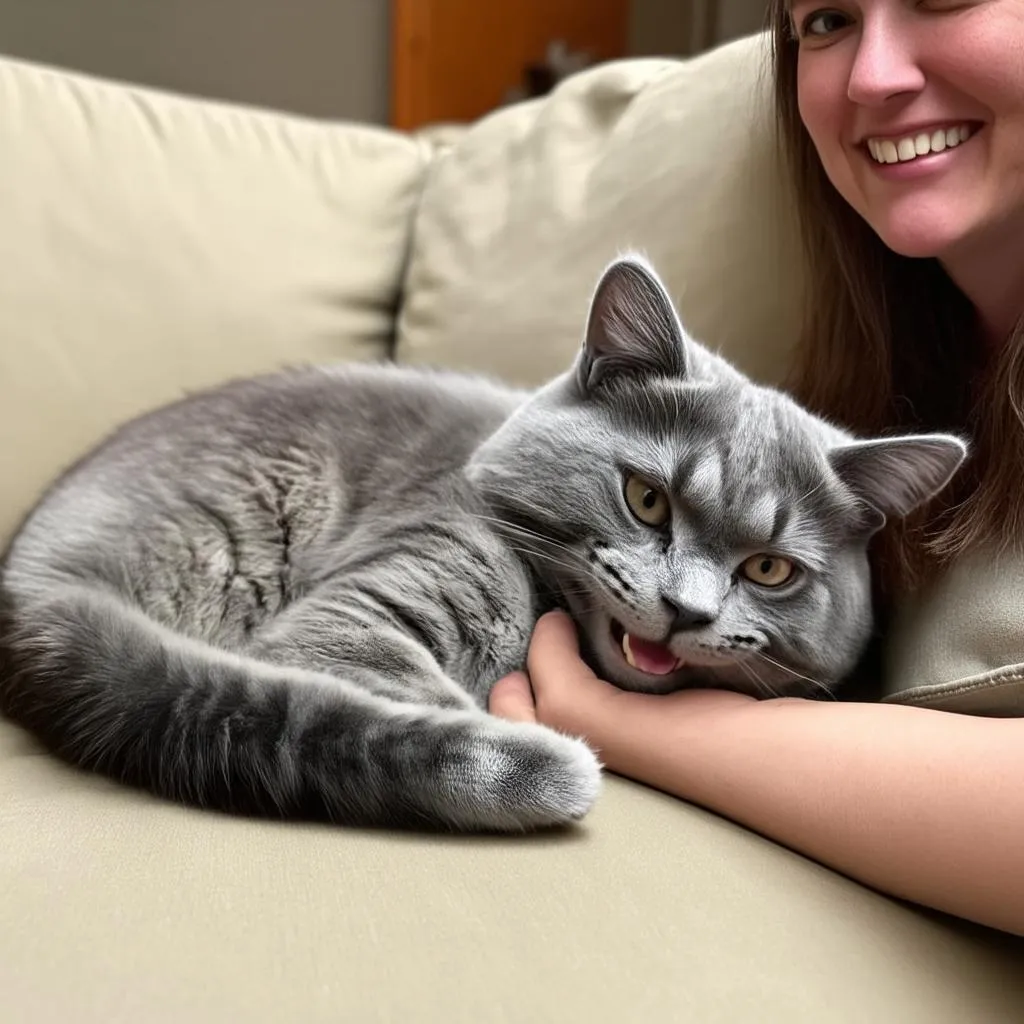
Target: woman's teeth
[{"x": 893, "y": 151}]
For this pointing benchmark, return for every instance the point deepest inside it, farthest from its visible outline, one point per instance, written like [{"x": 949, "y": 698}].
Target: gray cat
[{"x": 290, "y": 595}]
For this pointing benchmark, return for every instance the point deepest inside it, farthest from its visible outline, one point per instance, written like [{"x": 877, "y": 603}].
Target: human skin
[{"x": 885, "y": 69}]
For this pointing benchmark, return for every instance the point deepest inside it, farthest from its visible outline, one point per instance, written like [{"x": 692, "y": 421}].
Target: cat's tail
[{"x": 109, "y": 689}]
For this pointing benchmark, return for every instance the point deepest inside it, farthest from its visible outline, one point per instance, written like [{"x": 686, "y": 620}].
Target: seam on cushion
[{"x": 430, "y": 155}]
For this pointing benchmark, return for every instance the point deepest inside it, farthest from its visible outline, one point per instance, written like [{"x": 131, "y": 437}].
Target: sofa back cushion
[
  {"x": 672, "y": 157},
  {"x": 152, "y": 245}
]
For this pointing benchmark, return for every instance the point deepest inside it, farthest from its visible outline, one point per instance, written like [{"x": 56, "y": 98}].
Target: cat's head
[{"x": 703, "y": 530}]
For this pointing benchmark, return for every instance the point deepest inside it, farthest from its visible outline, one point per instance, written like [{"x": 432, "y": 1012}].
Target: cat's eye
[
  {"x": 768, "y": 570},
  {"x": 646, "y": 502}
]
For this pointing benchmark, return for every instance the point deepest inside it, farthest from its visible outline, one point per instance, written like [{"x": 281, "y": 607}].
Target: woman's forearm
[{"x": 919, "y": 803}]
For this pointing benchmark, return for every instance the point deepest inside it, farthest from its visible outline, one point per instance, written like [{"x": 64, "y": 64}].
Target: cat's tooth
[
  {"x": 922, "y": 144},
  {"x": 628, "y": 651},
  {"x": 905, "y": 150},
  {"x": 965, "y": 132},
  {"x": 952, "y": 136},
  {"x": 938, "y": 141}
]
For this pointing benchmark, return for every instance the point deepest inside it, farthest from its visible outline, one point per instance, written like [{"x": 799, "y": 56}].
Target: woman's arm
[{"x": 925, "y": 805}]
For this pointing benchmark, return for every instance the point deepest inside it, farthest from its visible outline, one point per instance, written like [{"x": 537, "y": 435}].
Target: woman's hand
[
  {"x": 559, "y": 684},
  {"x": 561, "y": 691}
]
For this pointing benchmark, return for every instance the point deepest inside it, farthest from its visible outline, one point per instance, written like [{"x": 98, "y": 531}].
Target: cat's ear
[
  {"x": 895, "y": 475},
  {"x": 632, "y": 327}
]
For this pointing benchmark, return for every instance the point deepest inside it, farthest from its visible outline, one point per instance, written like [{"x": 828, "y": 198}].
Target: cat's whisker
[
  {"x": 547, "y": 558},
  {"x": 512, "y": 529},
  {"x": 573, "y": 586},
  {"x": 524, "y": 532},
  {"x": 814, "y": 490},
  {"x": 575, "y": 566},
  {"x": 817, "y": 683},
  {"x": 759, "y": 684},
  {"x": 750, "y": 674},
  {"x": 507, "y": 524},
  {"x": 581, "y": 590},
  {"x": 519, "y": 502}
]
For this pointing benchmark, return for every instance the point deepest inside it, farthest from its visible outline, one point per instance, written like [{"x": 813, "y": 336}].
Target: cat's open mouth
[{"x": 645, "y": 655}]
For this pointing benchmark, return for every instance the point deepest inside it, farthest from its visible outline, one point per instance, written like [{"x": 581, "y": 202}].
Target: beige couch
[{"x": 151, "y": 245}]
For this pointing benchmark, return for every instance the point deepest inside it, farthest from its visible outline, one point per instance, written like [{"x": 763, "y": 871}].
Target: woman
[{"x": 904, "y": 127}]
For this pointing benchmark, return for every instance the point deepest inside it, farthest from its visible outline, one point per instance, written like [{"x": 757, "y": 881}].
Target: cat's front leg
[
  {"x": 428, "y": 748},
  {"x": 351, "y": 633}
]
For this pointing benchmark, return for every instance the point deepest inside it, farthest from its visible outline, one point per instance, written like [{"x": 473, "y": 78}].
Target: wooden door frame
[{"x": 419, "y": 33}]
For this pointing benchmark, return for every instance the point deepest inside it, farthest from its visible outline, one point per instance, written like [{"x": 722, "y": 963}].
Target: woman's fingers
[
  {"x": 512, "y": 698},
  {"x": 558, "y": 689},
  {"x": 555, "y": 650},
  {"x": 567, "y": 694}
]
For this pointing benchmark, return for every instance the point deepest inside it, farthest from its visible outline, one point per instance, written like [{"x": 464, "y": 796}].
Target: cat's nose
[{"x": 688, "y": 615}]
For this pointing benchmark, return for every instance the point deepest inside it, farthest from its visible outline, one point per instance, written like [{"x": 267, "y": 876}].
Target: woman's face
[{"x": 916, "y": 109}]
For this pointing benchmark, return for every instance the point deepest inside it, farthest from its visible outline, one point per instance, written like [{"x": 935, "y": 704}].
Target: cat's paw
[{"x": 529, "y": 776}]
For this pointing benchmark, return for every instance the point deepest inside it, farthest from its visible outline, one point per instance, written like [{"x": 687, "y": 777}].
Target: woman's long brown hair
[{"x": 891, "y": 345}]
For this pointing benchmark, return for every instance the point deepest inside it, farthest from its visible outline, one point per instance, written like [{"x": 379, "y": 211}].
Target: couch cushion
[
  {"x": 522, "y": 211},
  {"x": 118, "y": 907},
  {"x": 153, "y": 244}
]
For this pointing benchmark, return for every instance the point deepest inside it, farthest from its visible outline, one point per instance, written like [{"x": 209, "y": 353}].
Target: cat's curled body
[{"x": 291, "y": 595}]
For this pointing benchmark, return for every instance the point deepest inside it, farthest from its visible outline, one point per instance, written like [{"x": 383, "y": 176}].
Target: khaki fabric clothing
[{"x": 959, "y": 645}]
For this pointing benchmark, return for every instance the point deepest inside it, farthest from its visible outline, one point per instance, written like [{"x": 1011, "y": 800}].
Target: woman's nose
[{"x": 886, "y": 65}]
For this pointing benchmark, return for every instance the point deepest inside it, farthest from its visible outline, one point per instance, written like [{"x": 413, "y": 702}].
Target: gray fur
[{"x": 291, "y": 595}]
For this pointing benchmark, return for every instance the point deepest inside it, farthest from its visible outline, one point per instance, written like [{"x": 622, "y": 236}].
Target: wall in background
[
  {"x": 678, "y": 27},
  {"x": 326, "y": 58},
  {"x": 737, "y": 18},
  {"x": 661, "y": 27}
]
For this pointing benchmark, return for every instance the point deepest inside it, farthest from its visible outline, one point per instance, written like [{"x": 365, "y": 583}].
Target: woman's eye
[
  {"x": 646, "y": 502},
  {"x": 823, "y": 23}
]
